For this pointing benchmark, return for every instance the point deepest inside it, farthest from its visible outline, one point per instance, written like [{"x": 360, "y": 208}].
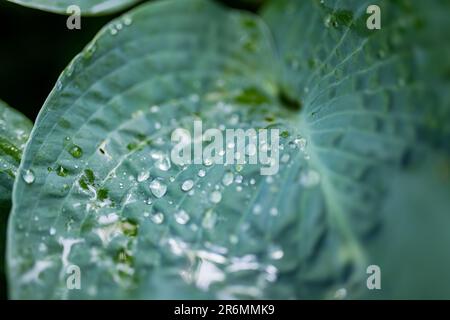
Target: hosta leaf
[
  {"x": 100, "y": 193},
  {"x": 87, "y": 7},
  {"x": 14, "y": 131}
]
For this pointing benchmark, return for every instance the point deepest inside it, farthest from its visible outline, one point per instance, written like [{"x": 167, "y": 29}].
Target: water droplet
[
  {"x": 285, "y": 158},
  {"x": 163, "y": 163},
  {"x": 215, "y": 197},
  {"x": 157, "y": 218},
  {"x": 181, "y": 217},
  {"x": 208, "y": 162},
  {"x": 273, "y": 211},
  {"x": 301, "y": 143},
  {"x": 144, "y": 175},
  {"x": 252, "y": 181},
  {"x": 154, "y": 109},
  {"x": 239, "y": 179},
  {"x": 276, "y": 253},
  {"x": 250, "y": 149},
  {"x": 201, "y": 173},
  {"x": 52, "y": 231},
  {"x": 28, "y": 176},
  {"x": 309, "y": 178},
  {"x": 158, "y": 188},
  {"x": 76, "y": 151},
  {"x": 127, "y": 20},
  {"x": 257, "y": 209},
  {"x": 228, "y": 178},
  {"x": 340, "y": 294},
  {"x": 187, "y": 185},
  {"x": 209, "y": 220}
]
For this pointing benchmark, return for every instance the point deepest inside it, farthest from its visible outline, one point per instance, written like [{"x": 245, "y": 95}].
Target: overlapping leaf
[
  {"x": 88, "y": 7},
  {"x": 14, "y": 131},
  {"x": 99, "y": 190}
]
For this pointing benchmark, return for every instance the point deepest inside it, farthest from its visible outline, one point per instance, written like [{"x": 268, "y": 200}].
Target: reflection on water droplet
[
  {"x": 144, "y": 175},
  {"x": 158, "y": 188},
  {"x": 187, "y": 185},
  {"x": 181, "y": 217},
  {"x": 201, "y": 173},
  {"x": 76, "y": 151},
  {"x": 127, "y": 20},
  {"x": 52, "y": 231},
  {"x": 215, "y": 197},
  {"x": 239, "y": 179},
  {"x": 163, "y": 163},
  {"x": 285, "y": 157},
  {"x": 273, "y": 211},
  {"x": 28, "y": 176},
  {"x": 208, "y": 162},
  {"x": 309, "y": 178},
  {"x": 340, "y": 294},
  {"x": 301, "y": 143},
  {"x": 257, "y": 209},
  {"x": 275, "y": 253},
  {"x": 209, "y": 220},
  {"x": 157, "y": 218},
  {"x": 228, "y": 178}
]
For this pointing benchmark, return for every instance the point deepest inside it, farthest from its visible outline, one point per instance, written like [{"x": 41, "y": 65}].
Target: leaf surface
[
  {"x": 87, "y": 7},
  {"x": 14, "y": 131},
  {"x": 349, "y": 106}
]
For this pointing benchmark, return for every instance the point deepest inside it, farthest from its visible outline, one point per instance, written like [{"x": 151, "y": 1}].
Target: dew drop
[
  {"x": 239, "y": 179},
  {"x": 209, "y": 220},
  {"x": 301, "y": 143},
  {"x": 276, "y": 253},
  {"x": 127, "y": 20},
  {"x": 144, "y": 175},
  {"x": 157, "y": 218},
  {"x": 340, "y": 294},
  {"x": 208, "y": 162},
  {"x": 76, "y": 151},
  {"x": 158, "y": 188},
  {"x": 257, "y": 209},
  {"x": 28, "y": 176},
  {"x": 228, "y": 178},
  {"x": 201, "y": 173},
  {"x": 163, "y": 163},
  {"x": 187, "y": 185},
  {"x": 285, "y": 158},
  {"x": 181, "y": 217},
  {"x": 215, "y": 197},
  {"x": 309, "y": 178},
  {"x": 52, "y": 231},
  {"x": 273, "y": 211}
]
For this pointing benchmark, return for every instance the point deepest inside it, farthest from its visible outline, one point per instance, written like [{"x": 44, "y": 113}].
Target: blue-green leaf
[
  {"x": 99, "y": 190},
  {"x": 14, "y": 131},
  {"x": 87, "y": 7}
]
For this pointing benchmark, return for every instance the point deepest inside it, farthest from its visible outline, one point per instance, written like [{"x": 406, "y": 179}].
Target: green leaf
[
  {"x": 98, "y": 191},
  {"x": 14, "y": 131},
  {"x": 88, "y": 7}
]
